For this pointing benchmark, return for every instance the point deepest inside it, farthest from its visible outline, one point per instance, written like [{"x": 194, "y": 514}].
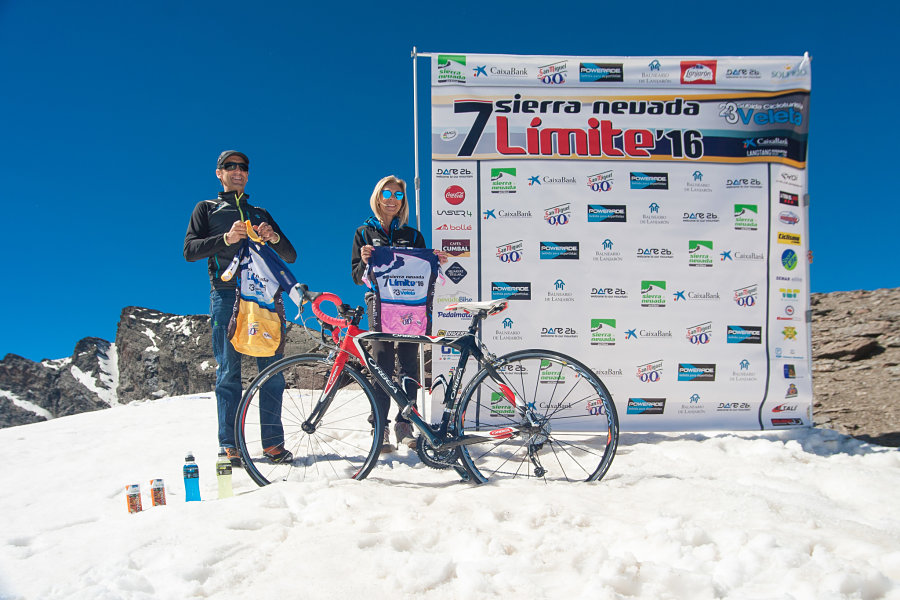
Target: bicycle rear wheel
[
  {"x": 343, "y": 444},
  {"x": 574, "y": 427}
]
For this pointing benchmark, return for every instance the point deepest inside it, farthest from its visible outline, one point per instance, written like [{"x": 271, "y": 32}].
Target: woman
[{"x": 389, "y": 228}]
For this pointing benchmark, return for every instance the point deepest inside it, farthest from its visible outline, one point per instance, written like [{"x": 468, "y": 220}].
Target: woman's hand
[
  {"x": 442, "y": 256},
  {"x": 365, "y": 253}
]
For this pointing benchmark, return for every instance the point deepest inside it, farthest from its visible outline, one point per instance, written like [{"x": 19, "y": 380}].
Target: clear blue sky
[{"x": 114, "y": 112}]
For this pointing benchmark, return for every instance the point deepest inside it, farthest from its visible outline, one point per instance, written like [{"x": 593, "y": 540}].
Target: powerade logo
[
  {"x": 510, "y": 290},
  {"x": 559, "y": 250},
  {"x": 696, "y": 372},
  {"x": 503, "y": 180},
  {"x": 646, "y": 406},
  {"x": 455, "y": 272},
  {"x": 451, "y": 68},
  {"x": 649, "y": 181},
  {"x": 698, "y": 72},
  {"x": 789, "y": 260},
  {"x": 600, "y": 72},
  {"x": 603, "y": 332},
  {"x": 744, "y": 334},
  {"x": 606, "y": 213},
  {"x": 653, "y": 293}
]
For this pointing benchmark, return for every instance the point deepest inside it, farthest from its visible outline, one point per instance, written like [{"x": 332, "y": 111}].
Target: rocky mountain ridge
[{"x": 856, "y": 361}]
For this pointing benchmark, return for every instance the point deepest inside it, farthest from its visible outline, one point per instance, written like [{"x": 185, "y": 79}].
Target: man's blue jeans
[{"x": 228, "y": 378}]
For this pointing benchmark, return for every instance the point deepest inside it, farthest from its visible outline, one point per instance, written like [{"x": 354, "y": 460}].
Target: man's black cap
[{"x": 229, "y": 153}]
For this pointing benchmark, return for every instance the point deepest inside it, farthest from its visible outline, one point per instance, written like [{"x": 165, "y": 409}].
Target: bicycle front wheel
[
  {"x": 277, "y": 407},
  {"x": 568, "y": 430}
]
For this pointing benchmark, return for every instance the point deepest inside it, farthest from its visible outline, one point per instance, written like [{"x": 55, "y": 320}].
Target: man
[{"x": 215, "y": 231}]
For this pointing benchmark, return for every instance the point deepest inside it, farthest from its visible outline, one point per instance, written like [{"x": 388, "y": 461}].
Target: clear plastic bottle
[
  {"x": 223, "y": 474},
  {"x": 191, "y": 479}
]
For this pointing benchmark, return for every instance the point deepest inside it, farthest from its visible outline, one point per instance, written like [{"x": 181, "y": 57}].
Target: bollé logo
[{"x": 454, "y": 195}]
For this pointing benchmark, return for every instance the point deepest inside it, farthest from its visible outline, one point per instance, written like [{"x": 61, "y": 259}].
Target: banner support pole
[{"x": 416, "y": 185}]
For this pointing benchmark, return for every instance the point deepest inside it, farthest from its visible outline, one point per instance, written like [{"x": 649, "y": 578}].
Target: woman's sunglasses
[{"x": 387, "y": 194}]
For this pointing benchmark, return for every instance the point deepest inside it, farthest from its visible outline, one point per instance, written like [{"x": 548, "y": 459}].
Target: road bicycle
[{"x": 530, "y": 413}]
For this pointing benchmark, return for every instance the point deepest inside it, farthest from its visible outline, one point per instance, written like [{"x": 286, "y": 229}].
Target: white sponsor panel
[{"x": 658, "y": 235}]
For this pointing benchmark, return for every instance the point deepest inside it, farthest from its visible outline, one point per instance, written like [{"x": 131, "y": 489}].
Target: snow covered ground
[{"x": 788, "y": 514}]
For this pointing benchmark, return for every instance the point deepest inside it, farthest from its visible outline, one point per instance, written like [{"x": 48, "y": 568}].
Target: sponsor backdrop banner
[{"x": 646, "y": 215}]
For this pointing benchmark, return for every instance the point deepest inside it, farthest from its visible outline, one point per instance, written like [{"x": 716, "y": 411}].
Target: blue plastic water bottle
[{"x": 191, "y": 479}]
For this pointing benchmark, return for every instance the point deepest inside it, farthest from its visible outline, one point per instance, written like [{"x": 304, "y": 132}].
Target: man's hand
[
  {"x": 266, "y": 233},
  {"x": 237, "y": 233}
]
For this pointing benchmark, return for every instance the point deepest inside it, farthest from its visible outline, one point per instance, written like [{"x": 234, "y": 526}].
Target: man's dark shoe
[{"x": 234, "y": 455}]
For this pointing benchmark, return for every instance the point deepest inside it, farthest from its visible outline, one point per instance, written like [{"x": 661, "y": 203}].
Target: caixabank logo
[
  {"x": 601, "y": 72},
  {"x": 559, "y": 250},
  {"x": 746, "y": 217},
  {"x": 700, "y": 253},
  {"x": 649, "y": 181},
  {"x": 503, "y": 180},
  {"x": 696, "y": 372},
  {"x": 603, "y": 332},
  {"x": 744, "y": 334},
  {"x": 510, "y": 290},
  {"x": 702, "y": 72},
  {"x": 606, "y": 213},
  {"x": 451, "y": 68},
  {"x": 646, "y": 406}
]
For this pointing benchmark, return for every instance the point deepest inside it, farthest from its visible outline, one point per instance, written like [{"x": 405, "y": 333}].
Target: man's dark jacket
[{"x": 212, "y": 219}]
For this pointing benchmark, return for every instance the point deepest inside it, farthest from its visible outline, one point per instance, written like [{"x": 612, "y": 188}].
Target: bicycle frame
[{"x": 468, "y": 347}]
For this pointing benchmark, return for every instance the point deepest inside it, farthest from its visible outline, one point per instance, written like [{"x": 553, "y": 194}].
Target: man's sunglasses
[
  {"x": 387, "y": 194},
  {"x": 231, "y": 166}
]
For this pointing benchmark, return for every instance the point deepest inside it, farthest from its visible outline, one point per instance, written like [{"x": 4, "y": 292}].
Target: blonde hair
[{"x": 403, "y": 215}]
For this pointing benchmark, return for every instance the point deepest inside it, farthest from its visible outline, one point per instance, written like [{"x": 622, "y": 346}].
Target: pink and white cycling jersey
[{"x": 403, "y": 282}]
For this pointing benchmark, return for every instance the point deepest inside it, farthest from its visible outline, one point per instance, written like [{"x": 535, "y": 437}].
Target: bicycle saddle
[{"x": 491, "y": 307}]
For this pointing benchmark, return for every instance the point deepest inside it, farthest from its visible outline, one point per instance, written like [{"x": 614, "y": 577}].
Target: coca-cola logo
[{"x": 454, "y": 195}]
